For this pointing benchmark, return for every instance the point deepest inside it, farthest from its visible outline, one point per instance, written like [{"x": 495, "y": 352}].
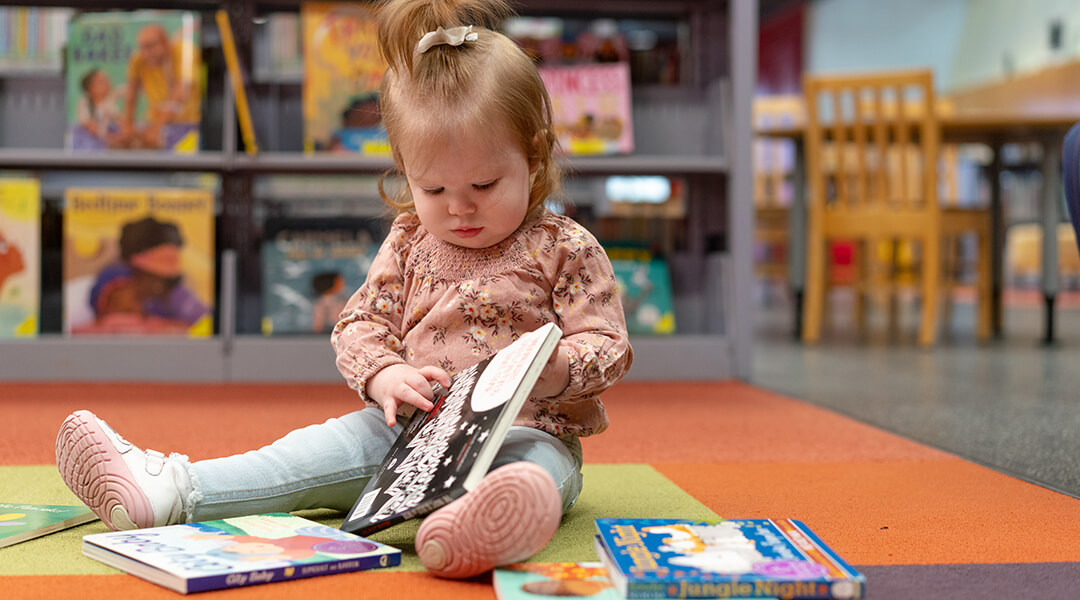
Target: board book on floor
[
  {"x": 529, "y": 581},
  {"x": 727, "y": 558},
  {"x": 444, "y": 453},
  {"x": 237, "y": 552},
  {"x": 22, "y": 522}
]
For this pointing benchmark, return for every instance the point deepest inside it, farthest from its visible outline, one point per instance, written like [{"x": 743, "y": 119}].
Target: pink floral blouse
[{"x": 429, "y": 302}]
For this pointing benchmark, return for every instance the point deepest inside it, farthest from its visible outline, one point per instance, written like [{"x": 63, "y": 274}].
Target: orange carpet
[{"x": 919, "y": 522}]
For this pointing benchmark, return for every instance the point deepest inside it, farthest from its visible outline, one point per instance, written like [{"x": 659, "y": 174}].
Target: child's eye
[
  {"x": 433, "y": 191},
  {"x": 485, "y": 186}
]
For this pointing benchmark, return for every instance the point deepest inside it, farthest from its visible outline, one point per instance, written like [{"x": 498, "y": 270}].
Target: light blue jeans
[{"x": 328, "y": 465}]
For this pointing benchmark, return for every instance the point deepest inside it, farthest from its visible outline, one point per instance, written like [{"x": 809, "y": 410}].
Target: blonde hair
[{"x": 475, "y": 86}]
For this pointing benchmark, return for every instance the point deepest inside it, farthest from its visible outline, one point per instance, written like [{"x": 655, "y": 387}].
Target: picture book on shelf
[
  {"x": 444, "y": 453},
  {"x": 134, "y": 80},
  {"x": 20, "y": 257},
  {"x": 645, "y": 290},
  {"x": 237, "y": 552},
  {"x": 342, "y": 73},
  {"x": 22, "y": 522},
  {"x": 591, "y": 107},
  {"x": 727, "y": 558},
  {"x": 238, "y": 81},
  {"x": 529, "y": 581},
  {"x": 310, "y": 268},
  {"x": 138, "y": 261}
]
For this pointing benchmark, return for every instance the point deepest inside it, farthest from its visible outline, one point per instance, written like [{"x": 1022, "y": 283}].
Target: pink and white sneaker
[
  {"x": 511, "y": 515},
  {"x": 124, "y": 486}
]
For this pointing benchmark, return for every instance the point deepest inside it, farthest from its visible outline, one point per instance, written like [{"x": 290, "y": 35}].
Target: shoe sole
[
  {"x": 511, "y": 515},
  {"x": 96, "y": 472}
]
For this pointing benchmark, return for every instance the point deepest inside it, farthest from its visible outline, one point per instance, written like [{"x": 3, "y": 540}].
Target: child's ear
[{"x": 535, "y": 153}]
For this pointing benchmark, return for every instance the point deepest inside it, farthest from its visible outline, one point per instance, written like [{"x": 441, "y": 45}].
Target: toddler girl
[{"x": 472, "y": 261}]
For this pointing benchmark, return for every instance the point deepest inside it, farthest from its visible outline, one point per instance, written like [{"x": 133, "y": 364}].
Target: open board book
[{"x": 444, "y": 453}]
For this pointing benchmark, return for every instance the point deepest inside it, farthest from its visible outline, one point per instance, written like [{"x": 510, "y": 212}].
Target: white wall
[
  {"x": 965, "y": 42},
  {"x": 1004, "y": 35}
]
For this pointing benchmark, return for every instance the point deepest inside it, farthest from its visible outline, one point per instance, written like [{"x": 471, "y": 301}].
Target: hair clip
[{"x": 455, "y": 36}]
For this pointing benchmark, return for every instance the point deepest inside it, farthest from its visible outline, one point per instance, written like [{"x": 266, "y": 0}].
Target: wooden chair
[
  {"x": 773, "y": 180},
  {"x": 872, "y": 146}
]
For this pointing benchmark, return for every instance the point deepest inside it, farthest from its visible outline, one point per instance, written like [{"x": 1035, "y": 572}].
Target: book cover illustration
[
  {"x": 752, "y": 558},
  {"x": 525, "y": 581},
  {"x": 645, "y": 290},
  {"x": 138, "y": 261},
  {"x": 22, "y": 522},
  {"x": 20, "y": 257},
  {"x": 342, "y": 74},
  {"x": 310, "y": 268},
  {"x": 237, "y": 552},
  {"x": 591, "y": 107},
  {"x": 444, "y": 453},
  {"x": 134, "y": 81}
]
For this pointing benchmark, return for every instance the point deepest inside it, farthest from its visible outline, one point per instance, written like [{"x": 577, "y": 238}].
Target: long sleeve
[
  {"x": 587, "y": 305},
  {"x": 368, "y": 336}
]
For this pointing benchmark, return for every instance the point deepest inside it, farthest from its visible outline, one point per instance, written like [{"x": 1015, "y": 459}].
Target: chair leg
[
  {"x": 891, "y": 283},
  {"x": 950, "y": 247},
  {"x": 863, "y": 283},
  {"x": 931, "y": 277},
  {"x": 984, "y": 290},
  {"x": 814, "y": 301}
]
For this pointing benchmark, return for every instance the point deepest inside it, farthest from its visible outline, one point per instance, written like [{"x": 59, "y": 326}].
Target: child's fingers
[
  {"x": 433, "y": 373},
  {"x": 419, "y": 399},
  {"x": 390, "y": 410}
]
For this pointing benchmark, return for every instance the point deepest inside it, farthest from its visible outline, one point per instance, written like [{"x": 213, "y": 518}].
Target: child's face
[
  {"x": 470, "y": 189},
  {"x": 99, "y": 85}
]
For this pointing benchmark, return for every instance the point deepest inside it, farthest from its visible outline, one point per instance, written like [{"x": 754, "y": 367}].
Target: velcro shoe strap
[{"x": 155, "y": 462}]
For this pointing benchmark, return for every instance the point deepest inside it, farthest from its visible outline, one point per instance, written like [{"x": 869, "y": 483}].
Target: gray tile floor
[{"x": 1012, "y": 404}]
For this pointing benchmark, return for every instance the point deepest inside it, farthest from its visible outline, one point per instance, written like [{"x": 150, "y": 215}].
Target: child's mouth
[{"x": 467, "y": 232}]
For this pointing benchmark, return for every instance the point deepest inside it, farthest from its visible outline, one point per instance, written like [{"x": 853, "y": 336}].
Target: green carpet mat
[{"x": 611, "y": 490}]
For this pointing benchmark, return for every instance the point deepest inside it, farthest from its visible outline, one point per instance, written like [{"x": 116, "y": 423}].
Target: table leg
[
  {"x": 1051, "y": 216},
  {"x": 797, "y": 224},
  {"x": 997, "y": 241}
]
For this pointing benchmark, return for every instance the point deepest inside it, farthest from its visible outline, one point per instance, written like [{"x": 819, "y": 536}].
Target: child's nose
[{"x": 461, "y": 205}]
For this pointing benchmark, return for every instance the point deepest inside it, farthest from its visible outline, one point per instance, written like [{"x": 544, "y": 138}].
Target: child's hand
[
  {"x": 555, "y": 376},
  {"x": 404, "y": 384}
]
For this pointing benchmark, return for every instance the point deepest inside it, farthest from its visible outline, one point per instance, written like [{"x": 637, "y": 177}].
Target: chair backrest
[
  {"x": 872, "y": 144},
  {"x": 774, "y": 159},
  {"x": 1070, "y": 164}
]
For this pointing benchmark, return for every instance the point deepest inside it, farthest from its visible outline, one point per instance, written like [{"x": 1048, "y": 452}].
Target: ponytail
[
  {"x": 482, "y": 82},
  {"x": 401, "y": 23}
]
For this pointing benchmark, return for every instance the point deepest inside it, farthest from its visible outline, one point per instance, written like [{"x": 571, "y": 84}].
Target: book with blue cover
[
  {"x": 645, "y": 290},
  {"x": 237, "y": 552},
  {"x": 311, "y": 266},
  {"x": 726, "y": 558}
]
